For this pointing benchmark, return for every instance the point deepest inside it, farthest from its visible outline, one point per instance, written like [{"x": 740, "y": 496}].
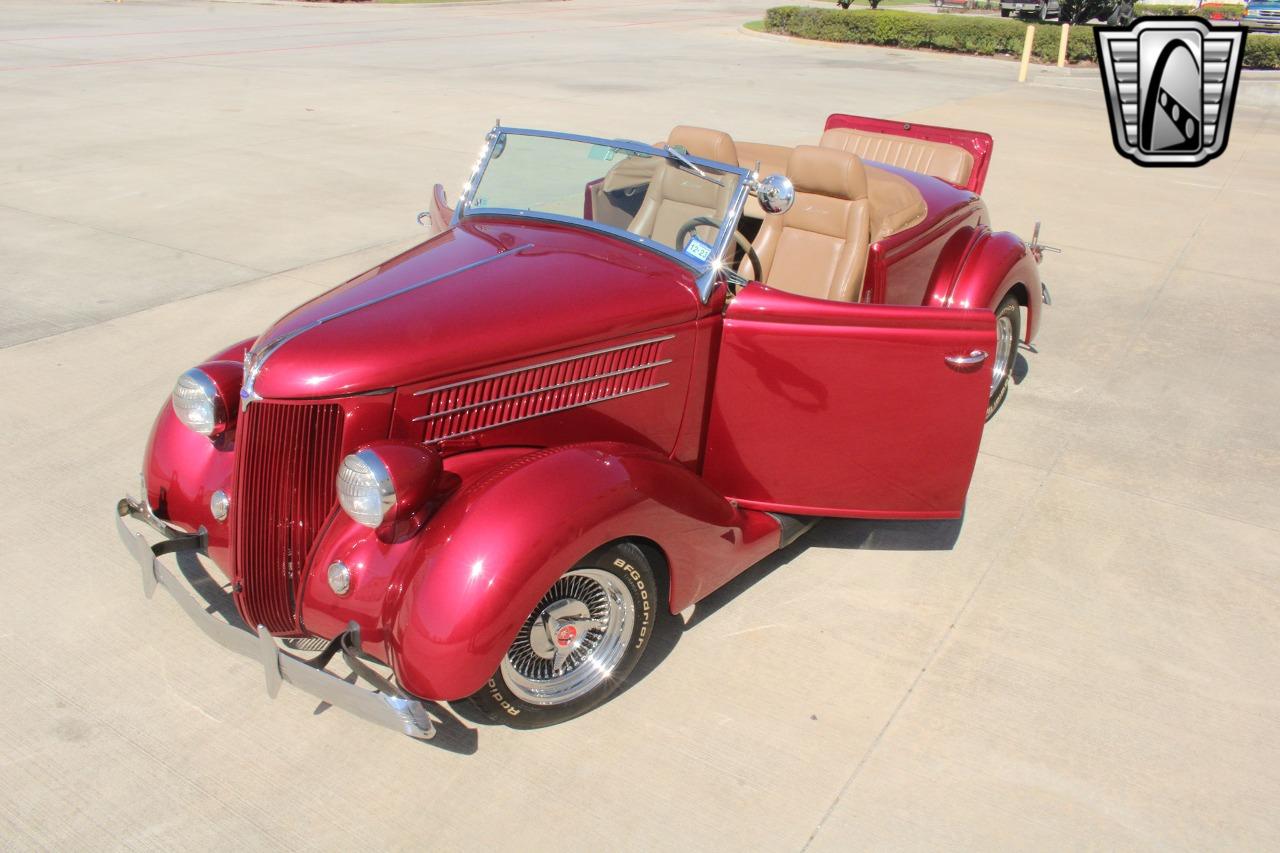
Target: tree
[{"x": 1082, "y": 11}]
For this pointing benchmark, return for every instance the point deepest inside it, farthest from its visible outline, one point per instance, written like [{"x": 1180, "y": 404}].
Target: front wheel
[
  {"x": 578, "y": 645},
  {"x": 1008, "y": 325}
]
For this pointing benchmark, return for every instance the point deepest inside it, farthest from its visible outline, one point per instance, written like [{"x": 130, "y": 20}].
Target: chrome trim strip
[
  {"x": 558, "y": 386},
  {"x": 707, "y": 281},
  {"x": 254, "y": 359},
  {"x": 548, "y": 412},
  {"x": 502, "y": 373}
]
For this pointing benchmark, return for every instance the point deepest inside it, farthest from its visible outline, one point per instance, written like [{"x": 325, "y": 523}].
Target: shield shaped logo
[{"x": 1170, "y": 85}]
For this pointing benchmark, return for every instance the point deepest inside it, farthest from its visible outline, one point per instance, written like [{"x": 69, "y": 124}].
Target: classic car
[{"x": 615, "y": 376}]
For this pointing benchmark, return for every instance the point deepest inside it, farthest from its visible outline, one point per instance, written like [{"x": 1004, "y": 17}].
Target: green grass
[{"x": 755, "y": 26}]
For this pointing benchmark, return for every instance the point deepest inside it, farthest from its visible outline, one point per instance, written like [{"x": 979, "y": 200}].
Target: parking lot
[{"x": 1088, "y": 661}]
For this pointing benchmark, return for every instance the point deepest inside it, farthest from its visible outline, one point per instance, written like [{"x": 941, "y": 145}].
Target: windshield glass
[{"x": 643, "y": 196}]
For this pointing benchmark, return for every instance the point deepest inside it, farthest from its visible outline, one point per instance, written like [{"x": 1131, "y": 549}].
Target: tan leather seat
[
  {"x": 772, "y": 160},
  {"x": 675, "y": 196},
  {"x": 819, "y": 247},
  {"x": 949, "y": 162}
]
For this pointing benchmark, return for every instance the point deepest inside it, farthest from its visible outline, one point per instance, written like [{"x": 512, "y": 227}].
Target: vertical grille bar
[{"x": 286, "y": 459}]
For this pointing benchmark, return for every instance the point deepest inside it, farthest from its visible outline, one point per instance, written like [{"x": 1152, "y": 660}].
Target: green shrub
[
  {"x": 1226, "y": 10},
  {"x": 963, "y": 34},
  {"x": 1262, "y": 51},
  {"x": 955, "y": 33},
  {"x": 1163, "y": 9}
]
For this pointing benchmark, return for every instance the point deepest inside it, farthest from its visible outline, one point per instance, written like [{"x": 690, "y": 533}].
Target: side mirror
[{"x": 776, "y": 194}]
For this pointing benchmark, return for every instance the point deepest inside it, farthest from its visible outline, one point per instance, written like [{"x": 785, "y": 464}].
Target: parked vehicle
[
  {"x": 616, "y": 376},
  {"x": 1263, "y": 15},
  {"x": 1041, "y": 10}
]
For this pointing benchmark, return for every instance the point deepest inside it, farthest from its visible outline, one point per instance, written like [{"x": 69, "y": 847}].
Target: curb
[{"x": 1079, "y": 69}]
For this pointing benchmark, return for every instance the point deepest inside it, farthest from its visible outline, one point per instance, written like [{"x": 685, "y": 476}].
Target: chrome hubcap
[
  {"x": 573, "y": 639},
  {"x": 1004, "y": 348}
]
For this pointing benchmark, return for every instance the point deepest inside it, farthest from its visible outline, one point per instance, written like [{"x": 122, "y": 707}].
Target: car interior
[{"x": 844, "y": 201}]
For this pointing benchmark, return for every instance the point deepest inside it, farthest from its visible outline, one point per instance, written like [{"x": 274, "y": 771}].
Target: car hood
[{"x": 482, "y": 293}]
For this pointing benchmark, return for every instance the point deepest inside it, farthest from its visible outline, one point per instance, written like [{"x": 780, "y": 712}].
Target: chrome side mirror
[{"x": 776, "y": 194}]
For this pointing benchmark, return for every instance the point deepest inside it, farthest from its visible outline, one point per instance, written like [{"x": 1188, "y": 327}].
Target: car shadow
[
  {"x": 1021, "y": 367},
  {"x": 452, "y": 734},
  {"x": 845, "y": 534},
  {"x": 457, "y": 723}
]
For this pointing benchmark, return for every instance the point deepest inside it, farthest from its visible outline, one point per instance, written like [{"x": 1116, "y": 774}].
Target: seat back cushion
[
  {"x": 949, "y": 162},
  {"x": 675, "y": 196},
  {"x": 819, "y": 247}
]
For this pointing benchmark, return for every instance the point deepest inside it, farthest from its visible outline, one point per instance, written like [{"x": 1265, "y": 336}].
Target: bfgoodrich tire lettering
[{"x": 577, "y": 647}]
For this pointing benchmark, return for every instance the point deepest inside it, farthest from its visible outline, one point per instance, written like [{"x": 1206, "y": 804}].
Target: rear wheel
[
  {"x": 579, "y": 644},
  {"x": 1008, "y": 325}
]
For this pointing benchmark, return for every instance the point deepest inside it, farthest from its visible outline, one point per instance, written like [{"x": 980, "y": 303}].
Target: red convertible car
[{"x": 616, "y": 376}]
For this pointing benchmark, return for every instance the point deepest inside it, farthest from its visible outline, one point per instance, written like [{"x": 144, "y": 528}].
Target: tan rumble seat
[
  {"x": 676, "y": 196},
  {"x": 949, "y": 162},
  {"x": 819, "y": 247},
  {"x": 896, "y": 204}
]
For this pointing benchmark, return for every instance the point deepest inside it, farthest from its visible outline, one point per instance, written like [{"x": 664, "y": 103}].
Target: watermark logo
[{"x": 1170, "y": 85}]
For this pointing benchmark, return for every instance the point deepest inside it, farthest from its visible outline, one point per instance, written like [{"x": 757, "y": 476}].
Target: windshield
[{"x": 644, "y": 194}]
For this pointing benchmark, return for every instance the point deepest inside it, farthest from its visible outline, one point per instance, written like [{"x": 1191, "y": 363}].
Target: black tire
[
  {"x": 1007, "y": 313},
  {"x": 1004, "y": 13},
  {"x": 504, "y": 700}
]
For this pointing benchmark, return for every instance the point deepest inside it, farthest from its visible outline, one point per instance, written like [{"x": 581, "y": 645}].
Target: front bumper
[{"x": 387, "y": 706}]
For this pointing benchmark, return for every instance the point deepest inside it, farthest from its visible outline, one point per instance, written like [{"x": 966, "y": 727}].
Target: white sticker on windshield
[{"x": 698, "y": 249}]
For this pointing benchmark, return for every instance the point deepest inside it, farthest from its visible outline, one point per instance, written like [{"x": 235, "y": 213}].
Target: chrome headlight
[
  {"x": 198, "y": 404},
  {"x": 365, "y": 489}
]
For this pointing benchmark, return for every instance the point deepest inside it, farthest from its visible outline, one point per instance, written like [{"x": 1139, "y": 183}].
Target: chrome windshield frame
[{"x": 707, "y": 272}]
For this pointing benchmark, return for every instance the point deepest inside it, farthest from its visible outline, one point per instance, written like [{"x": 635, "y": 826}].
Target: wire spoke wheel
[{"x": 573, "y": 640}]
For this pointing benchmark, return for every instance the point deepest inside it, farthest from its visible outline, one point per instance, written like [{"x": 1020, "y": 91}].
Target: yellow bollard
[
  {"x": 1026, "y": 54},
  {"x": 1062, "y": 46}
]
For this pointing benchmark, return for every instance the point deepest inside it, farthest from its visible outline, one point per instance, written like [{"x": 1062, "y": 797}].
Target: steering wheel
[{"x": 687, "y": 229}]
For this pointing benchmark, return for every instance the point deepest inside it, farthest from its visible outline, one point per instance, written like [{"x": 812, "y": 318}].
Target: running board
[{"x": 793, "y": 526}]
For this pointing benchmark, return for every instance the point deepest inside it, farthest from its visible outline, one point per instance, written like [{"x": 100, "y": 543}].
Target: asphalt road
[{"x": 1088, "y": 661}]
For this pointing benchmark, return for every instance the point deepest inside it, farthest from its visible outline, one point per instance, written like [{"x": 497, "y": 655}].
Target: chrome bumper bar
[{"x": 387, "y": 706}]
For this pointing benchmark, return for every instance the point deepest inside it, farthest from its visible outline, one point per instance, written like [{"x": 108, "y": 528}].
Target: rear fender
[
  {"x": 480, "y": 566},
  {"x": 998, "y": 263}
]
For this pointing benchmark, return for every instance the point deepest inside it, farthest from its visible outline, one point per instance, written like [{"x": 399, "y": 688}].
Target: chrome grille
[{"x": 286, "y": 458}]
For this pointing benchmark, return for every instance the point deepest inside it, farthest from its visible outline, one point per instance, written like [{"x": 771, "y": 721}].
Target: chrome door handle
[{"x": 976, "y": 357}]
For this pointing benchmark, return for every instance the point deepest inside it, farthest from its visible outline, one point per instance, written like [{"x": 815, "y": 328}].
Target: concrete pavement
[{"x": 1089, "y": 660}]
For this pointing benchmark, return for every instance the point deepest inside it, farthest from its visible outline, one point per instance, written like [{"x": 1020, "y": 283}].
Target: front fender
[
  {"x": 998, "y": 263},
  {"x": 463, "y": 586},
  {"x": 182, "y": 470}
]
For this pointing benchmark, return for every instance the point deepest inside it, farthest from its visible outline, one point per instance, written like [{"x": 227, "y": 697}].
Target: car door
[{"x": 839, "y": 409}]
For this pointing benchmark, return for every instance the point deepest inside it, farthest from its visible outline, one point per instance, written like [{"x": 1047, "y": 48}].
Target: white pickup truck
[{"x": 1042, "y": 10}]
